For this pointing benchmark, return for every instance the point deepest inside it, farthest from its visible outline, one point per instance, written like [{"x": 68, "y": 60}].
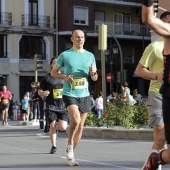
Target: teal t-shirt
[
  {"x": 76, "y": 64},
  {"x": 25, "y": 104}
]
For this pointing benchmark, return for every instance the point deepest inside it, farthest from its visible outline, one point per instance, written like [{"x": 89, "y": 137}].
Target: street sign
[{"x": 109, "y": 78}]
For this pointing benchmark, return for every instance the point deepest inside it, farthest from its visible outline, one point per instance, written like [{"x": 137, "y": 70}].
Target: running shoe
[
  {"x": 152, "y": 162},
  {"x": 6, "y": 123},
  {"x": 72, "y": 162},
  {"x": 53, "y": 150},
  {"x": 69, "y": 152}
]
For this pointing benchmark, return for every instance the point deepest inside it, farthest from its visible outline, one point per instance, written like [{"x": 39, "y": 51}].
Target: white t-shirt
[{"x": 99, "y": 103}]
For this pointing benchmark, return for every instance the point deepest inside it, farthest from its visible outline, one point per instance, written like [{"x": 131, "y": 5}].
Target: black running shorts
[
  {"x": 166, "y": 117},
  {"x": 4, "y": 106},
  {"x": 54, "y": 116},
  {"x": 83, "y": 103}
]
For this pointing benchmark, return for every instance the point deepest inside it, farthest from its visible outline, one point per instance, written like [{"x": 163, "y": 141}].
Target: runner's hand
[
  {"x": 92, "y": 70},
  {"x": 69, "y": 78}
]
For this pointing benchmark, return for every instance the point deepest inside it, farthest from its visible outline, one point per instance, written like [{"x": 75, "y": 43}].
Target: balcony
[
  {"x": 119, "y": 2},
  {"x": 125, "y": 29},
  {"x": 34, "y": 20},
  {"x": 6, "y": 18}
]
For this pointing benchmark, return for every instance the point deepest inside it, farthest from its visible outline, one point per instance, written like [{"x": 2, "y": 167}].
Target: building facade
[
  {"x": 26, "y": 29},
  {"x": 123, "y": 20},
  {"x": 44, "y": 27}
]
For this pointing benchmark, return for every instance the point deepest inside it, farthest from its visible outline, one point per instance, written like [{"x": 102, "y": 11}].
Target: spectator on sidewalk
[
  {"x": 30, "y": 112},
  {"x": 128, "y": 98},
  {"x": 34, "y": 102},
  {"x": 110, "y": 96},
  {"x": 10, "y": 112},
  {"x": 15, "y": 110},
  {"x": 99, "y": 105},
  {"x": 137, "y": 96},
  {"x": 40, "y": 107},
  {"x": 93, "y": 106},
  {"x": 25, "y": 105}
]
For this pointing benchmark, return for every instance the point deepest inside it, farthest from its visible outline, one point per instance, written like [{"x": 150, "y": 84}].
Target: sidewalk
[
  {"x": 103, "y": 132},
  {"x": 21, "y": 123}
]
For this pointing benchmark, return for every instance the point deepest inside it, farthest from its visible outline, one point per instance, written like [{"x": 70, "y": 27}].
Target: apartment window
[
  {"x": 31, "y": 45},
  {"x": 33, "y": 12},
  {"x": 99, "y": 16},
  {"x": 3, "y": 80},
  {"x": 81, "y": 16},
  {"x": 128, "y": 54},
  {"x": 127, "y": 24},
  {"x": 3, "y": 46},
  {"x": 118, "y": 23},
  {"x": 122, "y": 23}
]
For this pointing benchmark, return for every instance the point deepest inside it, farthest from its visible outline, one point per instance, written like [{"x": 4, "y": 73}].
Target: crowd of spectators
[
  {"x": 30, "y": 108},
  {"x": 125, "y": 97}
]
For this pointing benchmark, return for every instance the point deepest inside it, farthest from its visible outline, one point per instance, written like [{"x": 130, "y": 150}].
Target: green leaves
[{"x": 120, "y": 114}]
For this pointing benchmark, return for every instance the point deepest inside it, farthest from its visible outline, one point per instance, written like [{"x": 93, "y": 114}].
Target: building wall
[
  {"x": 12, "y": 66},
  {"x": 65, "y": 20}
]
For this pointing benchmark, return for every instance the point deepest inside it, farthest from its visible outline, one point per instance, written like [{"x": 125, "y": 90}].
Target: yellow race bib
[
  {"x": 5, "y": 101},
  {"x": 79, "y": 83},
  {"x": 57, "y": 93},
  {"x": 23, "y": 107}
]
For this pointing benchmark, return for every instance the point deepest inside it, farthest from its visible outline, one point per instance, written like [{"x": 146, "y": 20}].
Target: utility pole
[{"x": 102, "y": 45}]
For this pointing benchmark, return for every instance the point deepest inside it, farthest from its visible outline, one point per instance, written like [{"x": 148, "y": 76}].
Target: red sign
[{"x": 109, "y": 77}]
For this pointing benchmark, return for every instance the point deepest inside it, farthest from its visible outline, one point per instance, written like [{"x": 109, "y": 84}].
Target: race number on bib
[
  {"x": 5, "y": 101},
  {"x": 23, "y": 107},
  {"x": 79, "y": 83},
  {"x": 57, "y": 93}
]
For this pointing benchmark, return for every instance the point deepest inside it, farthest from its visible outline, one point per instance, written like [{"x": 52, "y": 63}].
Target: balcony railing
[
  {"x": 125, "y": 29},
  {"x": 6, "y": 18},
  {"x": 34, "y": 20},
  {"x": 117, "y": 1}
]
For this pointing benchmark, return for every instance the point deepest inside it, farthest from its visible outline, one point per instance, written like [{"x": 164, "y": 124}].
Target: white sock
[{"x": 154, "y": 150}]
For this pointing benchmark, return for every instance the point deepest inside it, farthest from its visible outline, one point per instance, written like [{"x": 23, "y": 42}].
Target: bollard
[{"x": 19, "y": 115}]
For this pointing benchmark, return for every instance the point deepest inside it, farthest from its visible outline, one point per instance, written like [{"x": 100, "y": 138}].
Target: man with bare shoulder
[{"x": 161, "y": 27}]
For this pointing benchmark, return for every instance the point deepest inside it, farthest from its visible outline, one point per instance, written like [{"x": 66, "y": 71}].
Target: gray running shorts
[{"x": 155, "y": 109}]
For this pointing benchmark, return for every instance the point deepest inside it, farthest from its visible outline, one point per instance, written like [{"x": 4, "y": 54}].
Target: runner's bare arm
[
  {"x": 43, "y": 93},
  {"x": 154, "y": 23},
  {"x": 143, "y": 72},
  {"x": 55, "y": 73}
]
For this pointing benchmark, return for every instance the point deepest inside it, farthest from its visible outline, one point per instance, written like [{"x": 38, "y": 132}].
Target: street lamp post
[
  {"x": 121, "y": 56},
  {"x": 111, "y": 55}
]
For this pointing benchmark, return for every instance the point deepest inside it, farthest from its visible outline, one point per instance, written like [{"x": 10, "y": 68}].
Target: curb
[
  {"x": 136, "y": 134},
  {"x": 103, "y": 132},
  {"x": 29, "y": 123}
]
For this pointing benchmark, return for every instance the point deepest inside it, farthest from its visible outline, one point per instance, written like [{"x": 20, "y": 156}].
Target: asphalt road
[{"x": 25, "y": 148}]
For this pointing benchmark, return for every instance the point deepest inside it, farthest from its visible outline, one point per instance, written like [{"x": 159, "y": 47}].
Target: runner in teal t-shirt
[
  {"x": 78, "y": 64},
  {"x": 79, "y": 69}
]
